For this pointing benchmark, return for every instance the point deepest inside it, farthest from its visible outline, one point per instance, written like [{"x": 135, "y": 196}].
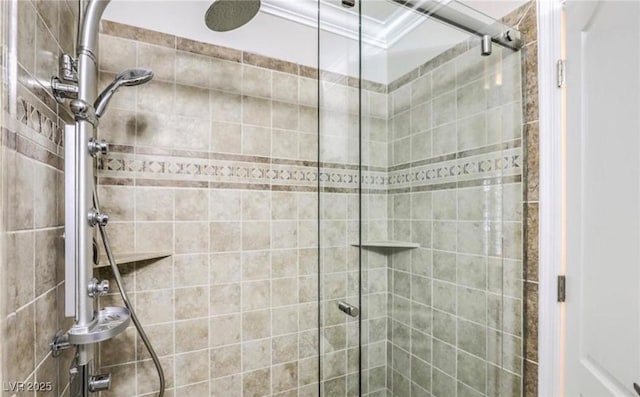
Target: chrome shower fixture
[
  {"x": 486, "y": 45},
  {"x": 225, "y": 15},
  {"x": 129, "y": 78}
]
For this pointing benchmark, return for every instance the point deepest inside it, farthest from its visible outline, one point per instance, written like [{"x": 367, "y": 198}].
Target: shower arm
[{"x": 88, "y": 40}]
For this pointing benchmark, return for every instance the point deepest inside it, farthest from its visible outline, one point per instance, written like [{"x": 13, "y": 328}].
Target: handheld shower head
[
  {"x": 225, "y": 15},
  {"x": 129, "y": 78}
]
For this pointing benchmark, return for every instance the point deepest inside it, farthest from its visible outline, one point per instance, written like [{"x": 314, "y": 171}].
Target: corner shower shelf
[
  {"x": 129, "y": 257},
  {"x": 388, "y": 244}
]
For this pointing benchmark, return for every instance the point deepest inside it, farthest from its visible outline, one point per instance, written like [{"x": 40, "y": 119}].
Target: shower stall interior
[{"x": 349, "y": 227}]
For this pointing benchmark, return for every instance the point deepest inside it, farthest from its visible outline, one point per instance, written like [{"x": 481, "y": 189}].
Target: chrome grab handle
[
  {"x": 99, "y": 382},
  {"x": 348, "y": 309}
]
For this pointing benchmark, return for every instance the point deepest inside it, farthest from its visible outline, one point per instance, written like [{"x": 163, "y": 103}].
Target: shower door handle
[{"x": 348, "y": 309}]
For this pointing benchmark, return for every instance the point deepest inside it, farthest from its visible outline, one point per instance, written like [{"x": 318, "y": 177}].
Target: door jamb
[{"x": 552, "y": 198}]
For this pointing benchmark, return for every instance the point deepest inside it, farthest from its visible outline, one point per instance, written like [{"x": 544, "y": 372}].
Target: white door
[{"x": 603, "y": 198}]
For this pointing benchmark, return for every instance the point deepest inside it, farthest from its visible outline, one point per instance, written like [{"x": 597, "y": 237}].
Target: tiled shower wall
[
  {"x": 215, "y": 160},
  {"x": 211, "y": 162},
  {"x": 456, "y": 301},
  {"x": 31, "y": 155},
  {"x": 32, "y": 177},
  {"x": 32, "y": 192}
]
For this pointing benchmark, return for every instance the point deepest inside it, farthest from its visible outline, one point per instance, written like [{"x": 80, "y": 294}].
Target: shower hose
[{"x": 127, "y": 302}]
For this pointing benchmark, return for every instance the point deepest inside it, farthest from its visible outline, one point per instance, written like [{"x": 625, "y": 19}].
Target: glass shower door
[
  {"x": 442, "y": 238},
  {"x": 420, "y": 216}
]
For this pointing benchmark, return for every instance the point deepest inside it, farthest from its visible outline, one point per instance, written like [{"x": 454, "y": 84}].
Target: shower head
[
  {"x": 129, "y": 77},
  {"x": 225, "y": 15}
]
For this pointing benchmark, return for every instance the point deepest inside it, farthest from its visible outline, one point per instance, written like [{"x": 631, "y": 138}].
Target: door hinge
[
  {"x": 561, "y": 69},
  {"x": 562, "y": 288}
]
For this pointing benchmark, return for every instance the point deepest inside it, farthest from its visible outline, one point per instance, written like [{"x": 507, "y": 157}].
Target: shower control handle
[
  {"x": 99, "y": 382},
  {"x": 98, "y": 147},
  {"x": 98, "y": 288},
  {"x": 348, "y": 309},
  {"x": 97, "y": 218}
]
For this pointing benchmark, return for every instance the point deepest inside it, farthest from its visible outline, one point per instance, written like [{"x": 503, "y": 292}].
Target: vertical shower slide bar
[{"x": 91, "y": 325}]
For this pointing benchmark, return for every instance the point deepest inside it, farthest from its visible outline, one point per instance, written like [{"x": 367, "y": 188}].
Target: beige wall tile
[
  {"x": 162, "y": 338},
  {"x": 284, "y": 144},
  {"x": 225, "y": 236},
  {"x": 26, "y": 35},
  {"x": 256, "y": 141},
  {"x": 147, "y": 375},
  {"x": 192, "y": 69},
  {"x": 225, "y": 106},
  {"x": 225, "y": 268},
  {"x": 192, "y": 102},
  {"x": 154, "y": 237},
  {"x": 256, "y": 265},
  {"x": 20, "y": 192},
  {"x": 285, "y": 87},
  {"x": 226, "y": 387},
  {"x": 191, "y": 302},
  {"x": 225, "y": 330},
  {"x": 224, "y": 205},
  {"x": 155, "y": 306},
  {"x": 256, "y": 81},
  {"x": 154, "y": 274},
  {"x": 256, "y": 111},
  {"x": 191, "y": 270},
  {"x": 223, "y": 75},
  {"x": 256, "y": 236},
  {"x": 161, "y": 60},
  {"x": 256, "y": 354},
  {"x": 192, "y": 367},
  {"x": 192, "y": 335},
  {"x": 20, "y": 270},
  {"x": 157, "y": 96},
  {"x": 256, "y": 325},
  {"x": 225, "y": 298},
  {"x": 226, "y": 137},
  {"x": 154, "y": 204},
  {"x": 192, "y": 237},
  {"x": 256, "y": 295}
]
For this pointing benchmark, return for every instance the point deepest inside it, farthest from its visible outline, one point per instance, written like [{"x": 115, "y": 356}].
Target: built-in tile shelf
[
  {"x": 388, "y": 244},
  {"x": 129, "y": 257}
]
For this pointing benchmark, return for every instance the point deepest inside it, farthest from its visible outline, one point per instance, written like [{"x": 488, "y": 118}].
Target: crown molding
[{"x": 345, "y": 22}]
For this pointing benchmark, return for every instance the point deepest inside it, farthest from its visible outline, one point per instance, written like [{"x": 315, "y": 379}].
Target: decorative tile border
[
  {"x": 475, "y": 167},
  {"x": 36, "y": 119},
  {"x": 38, "y": 133},
  {"x": 14, "y": 141},
  {"x": 240, "y": 170},
  {"x": 38, "y": 115}
]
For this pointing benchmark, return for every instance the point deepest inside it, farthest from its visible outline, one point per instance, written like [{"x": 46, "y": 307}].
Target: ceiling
[{"x": 395, "y": 39}]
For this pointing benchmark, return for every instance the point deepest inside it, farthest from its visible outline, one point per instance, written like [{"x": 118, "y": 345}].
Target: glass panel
[
  {"x": 441, "y": 148},
  {"x": 339, "y": 157}
]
